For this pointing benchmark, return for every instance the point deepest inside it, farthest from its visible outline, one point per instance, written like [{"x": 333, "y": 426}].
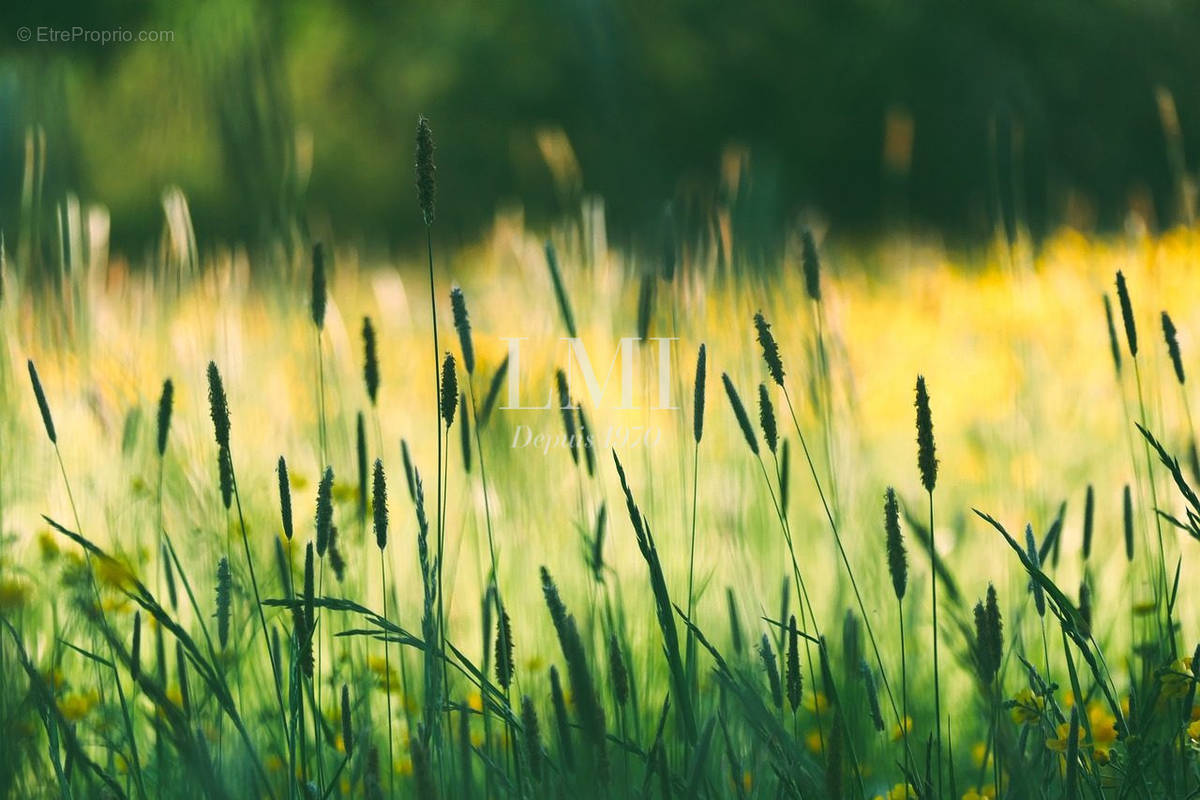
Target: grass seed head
[
  {"x": 324, "y": 516},
  {"x": 464, "y": 433},
  {"x": 165, "y": 402},
  {"x": 927, "y": 461},
  {"x": 360, "y": 452},
  {"x": 409, "y": 472},
  {"x": 1114, "y": 347},
  {"x": 645, "y": 310},
  {"x": 739, "y": 412},
  {"x": 336, "y": 561},
  {"x": 533, "y": 736},
  {"x": 560, "y": 289},
  {"x": 795, "y": 680},
  {"x": 370, "y": 360},
  {"x": 224, "y": 599},
  {"x": 1031, "y": 550},
  {"x": 698, "y": 395},
  {"x": 493, "y": 394},
  {"x": 1127, "y": 314},
  {"x": 379, "y": 509},
  {"x": 812, "y": 266},
  {"x": 565, "y": 408},
  {"x": 735, "y": 624},
  {"x": 586, "y": 443},
  {"x": 617, "y": 671},
  {"x": 766, "y": 654},
  {"x": 872, "y": 692},
  {"x": 1085, "y": 608},
  {"x": 766, "y": 418},
  {"x": 185, "y": 695},
  {"x": 347, "y": 724},
  {"x": 449, "y": 399},
  {"x": 43, "y": 406},
  {"x": 770, "y": 349},
  {"x": 135, "y": 648},
  {"x": 561, "y": 720},
  {"x": 462, "y": 324},
  {"x": 218, "y": 405},
  {"x": 504, "y": 650},
  {"x": 310, "y": 585},
  {"x": 424, "y": 783},
  {"x": 426, "y": 171},
  {"x": 225, "y": 475},
  {"x": 1089, "y": 510},
  {"x": 285, "y": 498},
  {"x": 896, "y": 556},
  {"x": 320, "y": 291},
  {"x": 1171, "y": 335},
  {"x": 169, "y": 577},
  {"x": 784, "y": 476}
]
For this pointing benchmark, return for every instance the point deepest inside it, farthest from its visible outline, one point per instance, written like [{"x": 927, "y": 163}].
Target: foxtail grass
[{"x": 927, "y": 465}]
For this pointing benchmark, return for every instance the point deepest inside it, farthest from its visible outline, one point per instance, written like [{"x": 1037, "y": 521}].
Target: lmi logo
[{"x": 577, "y": 356}]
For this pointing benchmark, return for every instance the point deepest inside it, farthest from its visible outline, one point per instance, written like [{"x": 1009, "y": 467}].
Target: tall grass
[{"x": 655, "y": 659}]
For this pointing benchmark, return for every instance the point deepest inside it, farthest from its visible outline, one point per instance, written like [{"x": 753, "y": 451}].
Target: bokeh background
[{"x": 284, "y": 120}]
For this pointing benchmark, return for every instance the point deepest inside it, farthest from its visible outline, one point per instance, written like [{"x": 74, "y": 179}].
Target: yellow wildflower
[
  {"x": 1061, "y": 742},
  {"x": 816, "y": 702},
  {"x": 1177, "y": 678},
  {"x": 13, "y": 595},
  {"x": 1027, "y": 707},
  {"x": 48, "y": 545},
  {"x": 984, "y": 793}
]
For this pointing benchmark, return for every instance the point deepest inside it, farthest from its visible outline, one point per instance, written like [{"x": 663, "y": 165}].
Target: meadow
[{"x": 266, "y": 578}]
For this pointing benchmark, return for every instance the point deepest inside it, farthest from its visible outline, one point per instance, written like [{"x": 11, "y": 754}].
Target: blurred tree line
[{"x": 276, "y": 116}]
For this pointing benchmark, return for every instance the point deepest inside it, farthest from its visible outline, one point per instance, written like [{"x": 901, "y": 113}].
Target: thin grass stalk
[
  {"x": 697, "y": 435},
  {"x": 1162, "y": 590},
  {"x": 426, "y": 187},
  {"x": 844, "y": 558},
  {"x": 48, "y": 421},
  {"x": 774, "y": 363}
]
